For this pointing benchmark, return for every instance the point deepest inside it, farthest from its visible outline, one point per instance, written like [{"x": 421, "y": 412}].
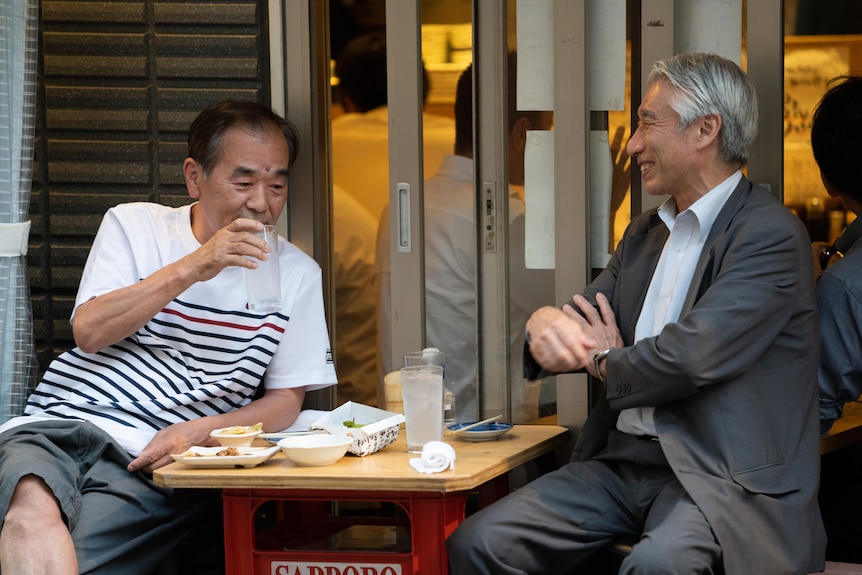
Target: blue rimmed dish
[{"x": 484, "y": 432}]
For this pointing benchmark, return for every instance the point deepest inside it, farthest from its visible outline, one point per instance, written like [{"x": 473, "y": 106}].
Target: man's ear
[
  {"x": 709, "y": 128},
  {"x": 194, "y": 177}
]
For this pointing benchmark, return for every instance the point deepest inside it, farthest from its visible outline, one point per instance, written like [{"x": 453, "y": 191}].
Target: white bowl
[
  {"x": 232, "y": 437},
  {"x": 315, "y": 449}
]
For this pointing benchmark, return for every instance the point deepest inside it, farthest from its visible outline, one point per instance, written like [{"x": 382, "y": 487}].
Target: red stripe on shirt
[{"x": 223, "y": 323}]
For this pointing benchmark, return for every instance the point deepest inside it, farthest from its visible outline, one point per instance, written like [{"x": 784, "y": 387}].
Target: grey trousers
[
  {"x": 557, "y": 522},
  {"x": 120, "y": 522}
]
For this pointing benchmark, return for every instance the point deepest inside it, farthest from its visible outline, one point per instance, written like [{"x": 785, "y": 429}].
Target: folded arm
[{"x": 565, "y": 340}]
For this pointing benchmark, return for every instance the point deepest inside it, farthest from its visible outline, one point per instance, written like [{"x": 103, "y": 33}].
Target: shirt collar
[{"x": 706, "y": 208}]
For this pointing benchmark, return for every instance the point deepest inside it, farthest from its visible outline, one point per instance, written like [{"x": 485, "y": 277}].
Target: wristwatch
[{"x": 597, "y": 359}]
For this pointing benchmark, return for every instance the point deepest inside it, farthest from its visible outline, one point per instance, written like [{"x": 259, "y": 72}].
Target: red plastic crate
[{"x": 318, "y": 543}]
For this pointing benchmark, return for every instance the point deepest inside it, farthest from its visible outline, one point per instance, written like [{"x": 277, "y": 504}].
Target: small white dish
[
  {"x": 236, "y": 436},
  {"x": 315, "y": 449},
  {"x": 206, "y": 456},
  {"x": 485, "y": 432}
]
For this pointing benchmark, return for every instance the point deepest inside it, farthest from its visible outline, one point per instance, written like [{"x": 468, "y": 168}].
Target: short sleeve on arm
[{"x": 111, "y": 263}]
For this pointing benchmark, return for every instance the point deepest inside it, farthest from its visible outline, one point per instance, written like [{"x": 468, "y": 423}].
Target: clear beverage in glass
[
  {"x": 422, "y": 393},
  {"x": 263, "y": 284}
]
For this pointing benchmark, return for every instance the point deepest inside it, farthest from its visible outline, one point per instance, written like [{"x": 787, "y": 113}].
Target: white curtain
[{"x": 18, "y": 51}]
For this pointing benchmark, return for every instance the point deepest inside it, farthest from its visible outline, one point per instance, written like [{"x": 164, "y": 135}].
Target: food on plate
[
  {"x": 227, "y": 452},
  {"x": 240, "y": 429},
  {"x": 352, "y": 423}
]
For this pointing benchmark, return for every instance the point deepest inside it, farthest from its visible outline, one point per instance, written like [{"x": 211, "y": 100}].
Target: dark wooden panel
[
  {"x": 75, "y": 225},
  {"x": 197, "y": 98},
  {"x": 74, "y": 256},
  {"x": 70, "y": 119},
  {"x": 94, "y": 44},
  {"x": 205, "y": 68},
  {"x": 121, "y": 81},
  {"x": 172, "y": 154},
  {"x": 111, "y": 97},
  {"x": 93, "y": 12},
  {"x": 100, "y": 172},
  {"x": 171, "y": 174},
  {"x": 106, "y": 150},
  {"x": 101, "y": 66},
  {"x": 88, "y": 199},
  {"x": 236, "y": 13},
  {"x": 207, "y": 45},
  {"x": 63, "y": 332}
]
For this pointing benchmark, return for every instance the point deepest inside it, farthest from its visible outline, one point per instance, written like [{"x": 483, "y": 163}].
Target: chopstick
[{"x": 477, "y": 424}]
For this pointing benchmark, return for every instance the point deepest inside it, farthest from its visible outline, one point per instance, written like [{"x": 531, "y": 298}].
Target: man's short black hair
[
  {"x": 836, "y": 135},
  {"x": 361, "y": 72},
  {"x": 207, "y": 130}
]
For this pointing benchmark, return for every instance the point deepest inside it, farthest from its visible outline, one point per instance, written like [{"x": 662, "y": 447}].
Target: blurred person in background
[
  {"x": 451, "y": 307},
  {"x": 837, "y": 147},
  {"x": 360, "y": 136},
  {"x": 354, "y": 232},
  {"x": 360, "y": 173}
]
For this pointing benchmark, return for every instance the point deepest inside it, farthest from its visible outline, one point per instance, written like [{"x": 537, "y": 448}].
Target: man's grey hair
[{"x": 709, "y": 84}]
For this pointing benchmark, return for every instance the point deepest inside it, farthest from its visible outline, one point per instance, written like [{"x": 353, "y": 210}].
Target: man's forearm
[{"x": 114, "y": 316}]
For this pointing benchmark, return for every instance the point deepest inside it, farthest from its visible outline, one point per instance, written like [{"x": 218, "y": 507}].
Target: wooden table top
[
  {"x": 385, "y": 470},
  {"x": 846, "y": 430}
]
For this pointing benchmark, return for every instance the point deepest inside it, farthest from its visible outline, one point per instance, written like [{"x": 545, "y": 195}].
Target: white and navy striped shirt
[{"x": 203, "y": 354}]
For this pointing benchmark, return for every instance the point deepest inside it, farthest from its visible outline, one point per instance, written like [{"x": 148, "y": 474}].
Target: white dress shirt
[{"x": 672, "y": 278}]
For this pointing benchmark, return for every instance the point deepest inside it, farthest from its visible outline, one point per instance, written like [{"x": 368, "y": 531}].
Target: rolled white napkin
[{"x": 436, "y": 456}]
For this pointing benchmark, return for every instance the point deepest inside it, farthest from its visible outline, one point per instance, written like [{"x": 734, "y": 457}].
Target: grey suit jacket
[{"x": 733, "y": 381}]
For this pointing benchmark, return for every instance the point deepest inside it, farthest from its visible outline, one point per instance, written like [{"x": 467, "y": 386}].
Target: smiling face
[
  {"x": 249, "y": 180},
  {"x": 664, "y": 152}
]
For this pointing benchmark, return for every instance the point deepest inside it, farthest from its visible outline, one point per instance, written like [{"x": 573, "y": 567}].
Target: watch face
[{"x": 597, "y": 360}]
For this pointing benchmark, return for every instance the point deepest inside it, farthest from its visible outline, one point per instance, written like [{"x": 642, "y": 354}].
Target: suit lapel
[
  {"x": 703, "y": 271},
  {"x": 633, "y": 287}
]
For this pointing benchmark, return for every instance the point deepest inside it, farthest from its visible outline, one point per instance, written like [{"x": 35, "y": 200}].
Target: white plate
[
  {"x": 485, "y": 432},
  {"x": 206, "y": 456}
]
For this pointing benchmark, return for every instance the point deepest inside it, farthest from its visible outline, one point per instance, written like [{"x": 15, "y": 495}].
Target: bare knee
[
  {"x": 32, "y": 504},
  {"x": 34, "y": 522}
]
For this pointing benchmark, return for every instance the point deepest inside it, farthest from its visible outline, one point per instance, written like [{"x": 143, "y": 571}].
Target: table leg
[
  {"x": 433, "y": 520},
  {"x": 239, "y": 533}
]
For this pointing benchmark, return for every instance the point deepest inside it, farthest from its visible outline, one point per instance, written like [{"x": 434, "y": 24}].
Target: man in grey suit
[{"x": 703, "y": 327}]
